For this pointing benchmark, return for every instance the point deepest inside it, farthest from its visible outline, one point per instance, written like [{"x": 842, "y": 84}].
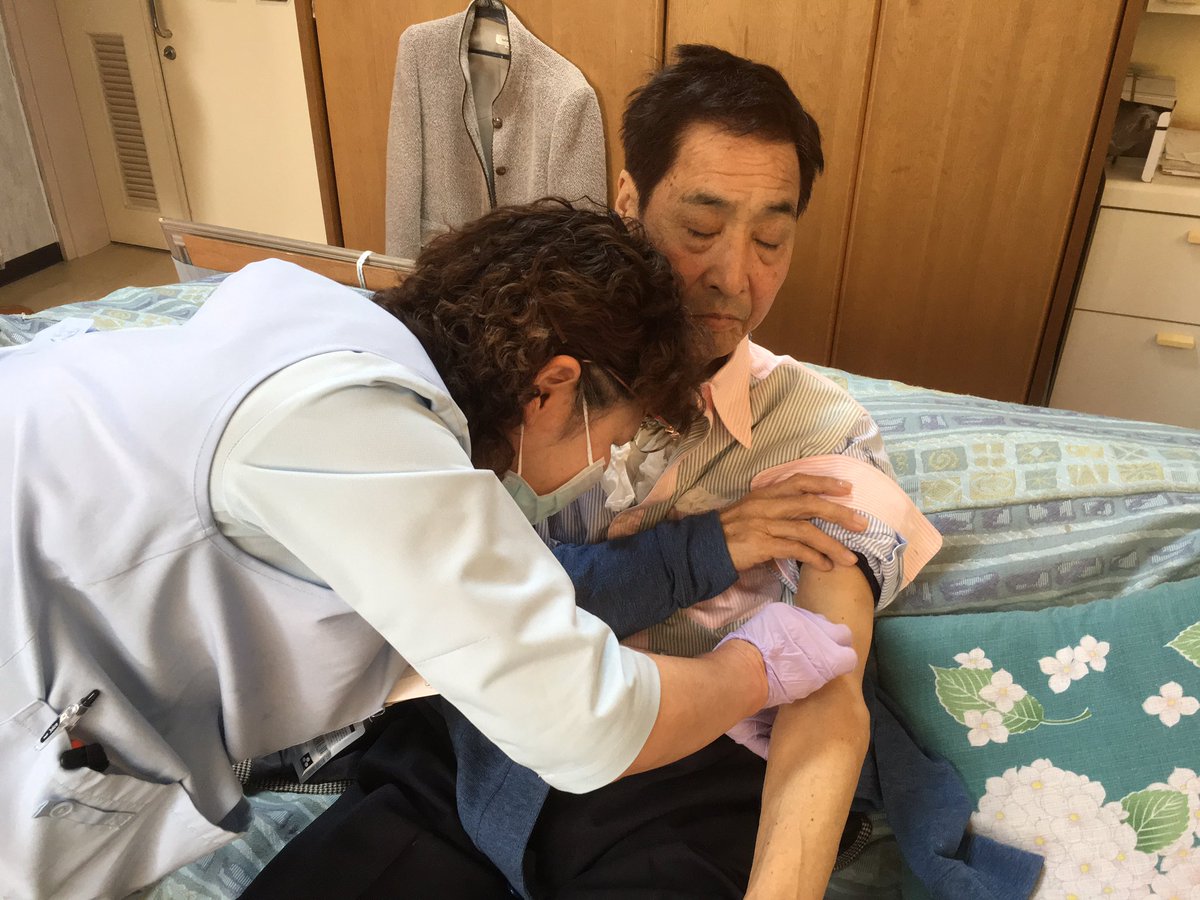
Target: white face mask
[{"x": 539, "y": 507}]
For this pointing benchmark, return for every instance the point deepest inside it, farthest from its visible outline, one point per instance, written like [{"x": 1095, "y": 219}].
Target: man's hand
[{"x": 775, "y": 523}]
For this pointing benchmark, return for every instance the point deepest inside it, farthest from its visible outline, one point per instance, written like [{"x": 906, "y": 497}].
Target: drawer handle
[
  {"x": 1193, "y": 236},
  {"x": 1177, "y": 341}
]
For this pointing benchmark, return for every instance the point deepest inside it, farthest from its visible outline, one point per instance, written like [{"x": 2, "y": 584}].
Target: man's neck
[{"x": 715, "y": 366}]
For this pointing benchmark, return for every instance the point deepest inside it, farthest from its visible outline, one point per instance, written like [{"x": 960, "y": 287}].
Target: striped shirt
[{"x": 766, "y": 418}]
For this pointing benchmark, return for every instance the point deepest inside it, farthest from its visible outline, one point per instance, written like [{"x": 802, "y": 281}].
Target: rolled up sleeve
[
  {"x": 880, "y": 545},
  {"x": 898, "y": 540}
]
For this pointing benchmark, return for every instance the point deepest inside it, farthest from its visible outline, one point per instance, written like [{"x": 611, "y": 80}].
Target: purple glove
[
  {"x": 801, "y": 650},
  {"x": 754, "y": 733}
]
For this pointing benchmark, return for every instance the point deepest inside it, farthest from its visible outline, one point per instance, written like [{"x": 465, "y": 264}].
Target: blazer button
[
  {"x": 497, "y": 122},
  {"x": 501, "y": 170}
]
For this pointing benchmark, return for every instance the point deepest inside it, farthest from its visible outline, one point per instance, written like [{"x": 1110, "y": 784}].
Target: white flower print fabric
[{"x": 1095, "y": 846}]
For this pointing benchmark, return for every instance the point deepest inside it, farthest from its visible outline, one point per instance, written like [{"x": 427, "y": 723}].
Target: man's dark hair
[
  {"x": 495, "y": 300},
  {"x": 712, "y": 86}
]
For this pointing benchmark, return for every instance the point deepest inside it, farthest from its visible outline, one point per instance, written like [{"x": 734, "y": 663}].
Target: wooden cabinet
[
  {"x": 963, "y": 141},
  {"x": 1130, "y": 367},
  {"x": 1131, "y": 348},
  {"x": 1143, "y": 262},
  {"x": 980, "y": 119},
  {"x": 614, "y": 44}
]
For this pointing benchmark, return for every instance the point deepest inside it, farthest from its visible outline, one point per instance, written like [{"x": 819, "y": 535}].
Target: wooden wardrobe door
[
  {"x": 823, "y": 48},
  {"x": 615, "y": 44},
  {"x": 979, "y": 123},
  {"x": 358, "y": 41}
]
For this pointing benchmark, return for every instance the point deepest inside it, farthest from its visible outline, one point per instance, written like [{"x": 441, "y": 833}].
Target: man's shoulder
[
  {"x": 794, "y": 380},
  {"x": 796, "y": 411}
]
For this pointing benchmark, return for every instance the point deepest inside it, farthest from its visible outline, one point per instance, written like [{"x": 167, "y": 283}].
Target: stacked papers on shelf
[
  {"x": 1181, "y": 156},
  {"x": 1152, "y": 90}
]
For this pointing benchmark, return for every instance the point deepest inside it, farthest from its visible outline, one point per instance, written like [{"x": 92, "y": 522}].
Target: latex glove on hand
[
  {"x": 801, "y": 650},
  {"x": 754, "y": 733}
]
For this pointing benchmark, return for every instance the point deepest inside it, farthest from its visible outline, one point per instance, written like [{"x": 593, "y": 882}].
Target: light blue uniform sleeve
[{"x": 336, "y": 467}]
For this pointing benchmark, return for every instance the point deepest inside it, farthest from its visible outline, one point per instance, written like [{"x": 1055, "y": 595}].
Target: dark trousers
[{"x": 683, "y": 831}]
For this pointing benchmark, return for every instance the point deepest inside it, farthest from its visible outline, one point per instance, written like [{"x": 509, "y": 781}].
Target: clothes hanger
[{"x": 492, "y": 11}]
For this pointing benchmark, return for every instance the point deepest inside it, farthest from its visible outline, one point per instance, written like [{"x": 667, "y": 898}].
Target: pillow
[
  {"x": 1076, "y": 730},
  {"x": 1037, "y": 507}
]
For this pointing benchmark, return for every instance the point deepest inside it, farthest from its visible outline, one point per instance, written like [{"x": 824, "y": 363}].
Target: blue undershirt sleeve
[{"x": 634, "y": 582}]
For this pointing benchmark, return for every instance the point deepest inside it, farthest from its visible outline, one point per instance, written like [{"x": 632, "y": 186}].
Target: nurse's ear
[{"x": 556, "y": 383}]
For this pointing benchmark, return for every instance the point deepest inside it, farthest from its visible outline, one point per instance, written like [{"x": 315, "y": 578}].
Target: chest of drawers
[{"x": 1133, "y": 344}]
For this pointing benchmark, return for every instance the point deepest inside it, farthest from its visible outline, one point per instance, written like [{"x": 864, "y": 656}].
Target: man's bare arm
[{"x": 817, "y": 750}]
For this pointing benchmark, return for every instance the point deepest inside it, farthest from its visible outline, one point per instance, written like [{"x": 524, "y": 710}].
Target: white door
[
  {"x": 114, "y": 64},
  {"x": 235, "y": 83}
]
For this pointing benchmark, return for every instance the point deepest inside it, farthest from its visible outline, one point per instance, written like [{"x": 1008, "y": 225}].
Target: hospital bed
[{"x": 1042, "y": 511}]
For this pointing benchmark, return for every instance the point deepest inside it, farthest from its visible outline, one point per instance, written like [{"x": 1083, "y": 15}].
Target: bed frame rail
[{"x": 199, "y": 249}]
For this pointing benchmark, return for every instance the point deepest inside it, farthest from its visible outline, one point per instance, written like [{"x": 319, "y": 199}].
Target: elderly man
[{"x": 720, "y": 162}]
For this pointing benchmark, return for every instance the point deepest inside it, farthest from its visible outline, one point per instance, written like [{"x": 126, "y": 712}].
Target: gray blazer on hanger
[{"x": 547, "y": 135}]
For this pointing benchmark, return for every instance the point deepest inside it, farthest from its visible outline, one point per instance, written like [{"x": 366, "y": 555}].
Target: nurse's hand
[
  {"x": 754, "y": 733},
  {"x": 801, "y": 651},
  {"x": 782, "y": 654},
  {"x": 775, "y": 522}
]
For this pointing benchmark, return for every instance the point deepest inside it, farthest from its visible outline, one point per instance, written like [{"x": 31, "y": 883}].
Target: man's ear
[{"x": 627, "y": 204}]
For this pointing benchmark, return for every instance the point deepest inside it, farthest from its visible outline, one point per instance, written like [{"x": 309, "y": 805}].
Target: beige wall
[
  {"x": 1169, "y": 44},
  {"x": 39, "y": 57},
  {"x": 25, "y": 223},
  {"x": 240, "y": 111}
]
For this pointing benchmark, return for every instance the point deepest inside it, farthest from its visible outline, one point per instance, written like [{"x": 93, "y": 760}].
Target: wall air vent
[{"x": 126, "y": 123}]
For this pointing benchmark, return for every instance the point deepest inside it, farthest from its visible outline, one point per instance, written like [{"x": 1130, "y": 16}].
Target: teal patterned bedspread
[
  {"x": 132, "y": 307},
  {"x": 1037, "y": 507},
  {"x": 226, "y": 873}
]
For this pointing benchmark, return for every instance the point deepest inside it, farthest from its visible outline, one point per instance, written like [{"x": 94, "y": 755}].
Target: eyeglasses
[{"x": 655, "y": 434}]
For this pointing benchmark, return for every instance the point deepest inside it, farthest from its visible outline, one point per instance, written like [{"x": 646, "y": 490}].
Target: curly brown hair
[{"x": 495, "y": 300}]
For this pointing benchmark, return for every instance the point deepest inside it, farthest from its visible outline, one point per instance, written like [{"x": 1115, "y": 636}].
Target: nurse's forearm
[
  {"x": 700, "y": 699},
  {"x": 634, "y": 582}
]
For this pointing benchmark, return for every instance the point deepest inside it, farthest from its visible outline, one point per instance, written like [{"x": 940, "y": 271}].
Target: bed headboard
[{"x": 199, "y": 249}]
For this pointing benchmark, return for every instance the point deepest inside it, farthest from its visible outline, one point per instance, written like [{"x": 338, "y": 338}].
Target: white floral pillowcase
[
  {"x": 1075, "y": 729},
  {"x": 1094, "y": 845}
]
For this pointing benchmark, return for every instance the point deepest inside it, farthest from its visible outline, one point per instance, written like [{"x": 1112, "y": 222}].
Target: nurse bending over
[{"x": 222, "y": 539}]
